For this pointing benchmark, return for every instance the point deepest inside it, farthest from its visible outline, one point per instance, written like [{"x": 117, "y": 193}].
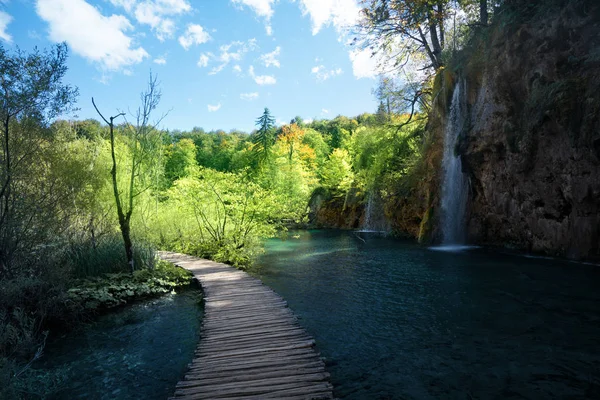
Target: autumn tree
[
  {"x": 142, "y": 140},
  {"x": 291, "y": 136}
]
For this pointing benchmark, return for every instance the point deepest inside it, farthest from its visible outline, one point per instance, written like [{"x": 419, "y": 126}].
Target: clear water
[
  {"x": 137, "y": 352},
  {"x": 399, "y": 321}
]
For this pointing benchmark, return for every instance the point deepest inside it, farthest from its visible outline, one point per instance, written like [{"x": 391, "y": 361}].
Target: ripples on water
[
  {"x": 137, "y": 352},
  {"x": 399, "y": 321}
]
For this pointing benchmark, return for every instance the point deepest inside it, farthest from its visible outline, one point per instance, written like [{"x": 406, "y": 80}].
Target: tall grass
[{"x": 107, "y": 256}]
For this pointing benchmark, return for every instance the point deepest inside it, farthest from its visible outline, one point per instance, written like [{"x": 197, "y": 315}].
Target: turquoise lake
[{"x": 395, "y": 320}]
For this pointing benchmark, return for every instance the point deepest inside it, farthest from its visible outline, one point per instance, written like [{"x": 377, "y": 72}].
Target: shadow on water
[
  {"x": 396, "y": 320},
  {"x": 137, "y": 352}
]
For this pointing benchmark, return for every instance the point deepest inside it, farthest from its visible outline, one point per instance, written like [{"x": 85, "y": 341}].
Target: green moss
[{"x": 426, "y": 226}]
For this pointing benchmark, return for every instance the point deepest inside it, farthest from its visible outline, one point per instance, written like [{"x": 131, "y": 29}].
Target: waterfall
[
  {"x": 374, "y": 219},
  {"x": 367, "y": 222},
  {"x": 454, "y": 184}
]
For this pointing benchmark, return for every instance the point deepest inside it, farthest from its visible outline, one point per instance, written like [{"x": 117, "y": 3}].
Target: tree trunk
[
  {"x": 441, "y": 24},
  {"x": 389, "y": 111},
  {"x": 123, "y": 220},
  {"x": 435, "y": 43},
  {"x": 434, "y": 61},
  {"x": 126, "y": 233},
  {"x": 483, "y": 12},
  {"x": 5, "y": 193}
]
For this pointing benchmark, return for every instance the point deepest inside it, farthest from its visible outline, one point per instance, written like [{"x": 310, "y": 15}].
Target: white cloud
[
  {"x": 342, "y": 14},
  {"x": 5, "y": 19},
  {"x": 265, "y": 80},
  {"x": 363, "y": 65},
  {"x": 160, "y": 60},
  {"x": 308, "y": 120},
  {"x": 322, "y": 74},
  {"x": 262, "y": 79},
  {"x": 214, "y": 108},
  {"x": 156, "y": 13},
  {"x": 90, "y": 34},
  {"x": 126, "y": 4},
  {"x": 324, "y": 111},
  {"x": 249, "y": 96},
  {"x": 262, "y": 8},
  {"x": 271, "y": 58},
  {"x": 228, "y": 55},
  {"x": 194, "y": 34},
  {"x": 204, "y": 58}
]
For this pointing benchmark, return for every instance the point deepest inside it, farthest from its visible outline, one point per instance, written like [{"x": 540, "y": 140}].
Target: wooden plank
[
  {"x": 259, "y": 327},
  {"x": 251, "y": 319},
  {"x": 239, "y": 338},
  {"x": 256, "y": 387},
  {"x": 244, "y": 315},
  {"x": 225, "y": 347},
  {"x": 251, "y": 345},
  {"x": 265, "y": 366},
  {"x": 217, "y": 365},
  {"x": 258, "y": 379},
  {"x": 262, "y": 350}
]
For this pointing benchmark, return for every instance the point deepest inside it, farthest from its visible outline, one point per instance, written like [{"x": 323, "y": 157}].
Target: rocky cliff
[{"x": 532, "y": 150}]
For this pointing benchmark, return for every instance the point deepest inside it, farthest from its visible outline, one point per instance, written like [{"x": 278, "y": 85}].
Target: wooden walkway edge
[{"x": 251, "y": 346}]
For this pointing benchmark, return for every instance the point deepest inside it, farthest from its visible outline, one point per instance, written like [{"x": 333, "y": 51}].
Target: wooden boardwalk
[{"x": 251, "y": 346}]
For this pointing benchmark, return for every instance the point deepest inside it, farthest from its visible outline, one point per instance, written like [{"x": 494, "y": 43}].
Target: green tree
[
  {"x": 336, "y": 174},
  {"x": 298, "y": 121},
  {"x": 32, "y": 92},
  {"x": 264, "y": 138},
  {"x": 419, "y": 24},
  {"x": 142, "y": 141},
  {"x": 315, "y": 141},
  {"x": 181, "y": 160}
]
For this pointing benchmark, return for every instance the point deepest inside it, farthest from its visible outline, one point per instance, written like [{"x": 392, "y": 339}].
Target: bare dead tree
[{"x": 142, "y": 140}]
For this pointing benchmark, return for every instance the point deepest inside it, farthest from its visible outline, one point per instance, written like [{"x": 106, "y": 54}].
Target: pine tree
[{"x": 264, "y": 137}]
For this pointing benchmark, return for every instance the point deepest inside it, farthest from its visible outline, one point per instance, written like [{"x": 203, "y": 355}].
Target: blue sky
[{"x": 220, "y": 62}]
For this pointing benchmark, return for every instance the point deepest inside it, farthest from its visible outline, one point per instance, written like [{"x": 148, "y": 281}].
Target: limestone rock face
[
  {"x": 326, "y": 211},
  {"x": 532, "y": 150}
]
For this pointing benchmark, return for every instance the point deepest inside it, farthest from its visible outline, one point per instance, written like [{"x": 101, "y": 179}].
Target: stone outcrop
[{"x": 532, "y": 151}]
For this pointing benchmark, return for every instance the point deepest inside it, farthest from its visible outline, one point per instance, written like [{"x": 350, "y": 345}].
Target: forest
[{"x": 85, "y": 204}]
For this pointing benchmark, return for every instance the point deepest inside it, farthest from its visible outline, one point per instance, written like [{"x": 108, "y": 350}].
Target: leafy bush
[{"x": 214, "y": 215}]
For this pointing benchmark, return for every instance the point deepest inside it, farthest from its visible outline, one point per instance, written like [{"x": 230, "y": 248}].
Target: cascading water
[
  {"x": 374, "y": 219},
  {"x": 455, "y": 184}
]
